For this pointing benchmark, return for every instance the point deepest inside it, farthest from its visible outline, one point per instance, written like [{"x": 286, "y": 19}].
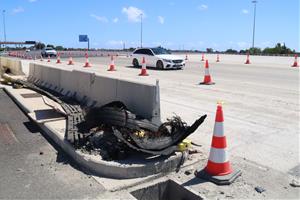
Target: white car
[
  {"x": 157, "y": 57},
  {"x": 48, "y": 51}
]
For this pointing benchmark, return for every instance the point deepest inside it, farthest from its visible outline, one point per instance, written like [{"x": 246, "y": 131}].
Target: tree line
[{"x": 278, "y": 49}]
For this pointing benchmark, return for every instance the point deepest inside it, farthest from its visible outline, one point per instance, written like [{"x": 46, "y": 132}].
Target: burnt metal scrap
[
  {"x": 138, "y": 133},
  {"x": 113, "y": 131}
]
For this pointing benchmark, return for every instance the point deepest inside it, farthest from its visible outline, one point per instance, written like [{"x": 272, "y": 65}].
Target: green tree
[
  {"x": 278, "y": 49},
  {"x": 255, "y": 50},
  {"x": 50, "y": 45},
  {"x": 59, "y": 48},
  {"x": 233, "y": 51},
  {"x": 39, "y": 45},
  {"x": 209, "y": 50}
]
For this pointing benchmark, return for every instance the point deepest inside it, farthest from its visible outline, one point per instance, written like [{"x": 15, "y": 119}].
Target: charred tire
[
  {"x": 159, "y": 64},
  {"x": 135, "y": 62},
  {"x": 123, "y": 118}
]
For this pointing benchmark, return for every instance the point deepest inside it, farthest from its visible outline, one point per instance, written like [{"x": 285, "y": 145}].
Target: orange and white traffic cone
[
  {"x": 218, "y": 58},
  {"x": 87, "y": 64},
  {"x": 248, "y": 59},
  {"x": 207, "y": 79},
  {"x": 144, "y": 68},
  {"x": 202, "y": 57},
  {"x": 58, "y": 59},
  {"x": 70, "y": 60},
  {"x": 218, "y": 168},
  {"x": 112, "y": 64},
  {"x": 295, "y": 64},
  {"x": 48, "y": 59}
]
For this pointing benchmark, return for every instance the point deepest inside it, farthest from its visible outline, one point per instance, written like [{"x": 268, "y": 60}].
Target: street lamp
[
  {"x": 141, "y": 30},
  {"x": 253, "y": 36},
  {"x": 4, "y": 31}
]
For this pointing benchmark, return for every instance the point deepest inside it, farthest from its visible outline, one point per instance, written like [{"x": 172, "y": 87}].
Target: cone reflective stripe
[
  {"x": 87, "y": 64},
  {"x": 207, "y": 79},
  {"x": 218, "y": 162},
  {"x": 70, "y": 60},
  {"x": 48, "y": 59},
  {"x": 58, "y": 59},
  {"x": 248, "y": 59},
  {"x": 218, "y": 168},
  {"x": 202, "y": 58},
  {"x": 295, "y": 64},
  {"x": 144, "y": 68},
  {"x": 218, "y": 58},
  {"x": 112, "y": 64}
]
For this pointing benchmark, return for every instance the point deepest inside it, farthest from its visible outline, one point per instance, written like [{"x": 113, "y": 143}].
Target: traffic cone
[
  {"x": 295, "y": 64},
  {"x": 186, "y": 57},
  {"x": 202, "y": 57},
  {"x": 34, "y": 57},
  {"x": 58, "y": 59},
  {"x": 218, "y": 58},
  {"x": 207, "y": 79},
  {"x": 248, "y": 59},
  {"x": 112, "y": 64},
  {"x": 70, "y": 60},
  {"x": 218, "y": 168},
  {"x": 144, "y": 68},
  {"x": 41, "y": 59},
  {"x": 48, "y": 59},
  {"x": 87, "y": 64}
]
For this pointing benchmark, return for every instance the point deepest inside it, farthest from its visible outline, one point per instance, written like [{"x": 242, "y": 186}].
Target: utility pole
[
  {"x": 4, "y": 31},
  {"x": 253, "y": 36},
  {"x": 141, "y": 30}
]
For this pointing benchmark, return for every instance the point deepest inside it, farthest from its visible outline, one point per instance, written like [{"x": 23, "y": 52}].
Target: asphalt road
[
  {"x": 261, "y": 102},
  {"x": 31, "y": 168}
]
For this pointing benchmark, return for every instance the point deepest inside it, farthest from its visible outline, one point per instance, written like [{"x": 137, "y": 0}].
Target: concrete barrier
[
  {"x": 14, "y": 66},
  {"x": 142, "y": 99}
]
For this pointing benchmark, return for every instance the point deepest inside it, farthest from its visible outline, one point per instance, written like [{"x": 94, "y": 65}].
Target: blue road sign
[{"x": 83, "y": 38}]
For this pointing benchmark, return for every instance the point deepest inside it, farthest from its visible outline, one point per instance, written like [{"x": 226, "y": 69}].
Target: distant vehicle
[
  {"x": 48, "y": 51},
  {"x": 27, "y": 50},
  {"x": 157, "y": 57}
]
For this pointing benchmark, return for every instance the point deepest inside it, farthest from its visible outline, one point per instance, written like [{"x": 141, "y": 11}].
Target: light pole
[
  {"x": 4, "y": 31},
  {"x": 141, "y": 30},
  {"x": 253, "y": 36}
]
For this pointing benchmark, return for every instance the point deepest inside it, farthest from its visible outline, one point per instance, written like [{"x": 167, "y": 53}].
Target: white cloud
[
  {"x": 243, "y": 44},
  {"x": 266, "y": 44},
  {"x": 156, "y": 44},
  {"x": 32, "y": 1},
  {"x": 245, "y": 11},
  {"x": 202, "y": 7},
  {"x": 115, "y": 20},
  {"x": 18, "y": 10},
  {"x": 99, "y": 18},
  {"x": 114, "y": 43},
  {"x": 161, "y": 19},
  {"x": 133, "y": 13}
]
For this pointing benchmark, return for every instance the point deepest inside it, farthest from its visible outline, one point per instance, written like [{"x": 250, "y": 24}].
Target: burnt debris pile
[{"x": 114, "y": 132}]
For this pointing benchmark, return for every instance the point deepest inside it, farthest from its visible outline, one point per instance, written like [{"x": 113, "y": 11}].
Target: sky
[{"x": 173, "y": 24}]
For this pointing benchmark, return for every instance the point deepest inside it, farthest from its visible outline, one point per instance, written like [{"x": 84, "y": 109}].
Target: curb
[{"x": 113, "y": 169}]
